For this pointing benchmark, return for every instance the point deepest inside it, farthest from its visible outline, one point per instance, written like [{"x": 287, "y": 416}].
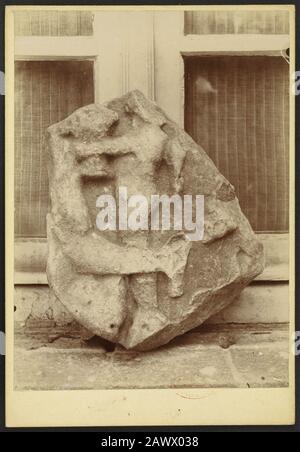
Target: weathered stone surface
[{"x": 142, "y": 288}]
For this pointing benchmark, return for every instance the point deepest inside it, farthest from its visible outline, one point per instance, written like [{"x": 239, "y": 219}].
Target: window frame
[
  {"x": 160, "y": 76},
  {"x": 171, "y": 58}
]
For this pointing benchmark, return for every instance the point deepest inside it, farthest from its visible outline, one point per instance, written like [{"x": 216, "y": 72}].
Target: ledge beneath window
[{"x": 31, "y": 259}]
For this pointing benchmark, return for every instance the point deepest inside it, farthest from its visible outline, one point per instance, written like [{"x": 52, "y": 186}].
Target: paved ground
[{"x": 210, "y": 356}]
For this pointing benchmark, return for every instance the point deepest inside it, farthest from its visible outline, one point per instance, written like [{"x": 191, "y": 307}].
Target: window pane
[
  {"x": 45, "y": 93},
  {"x": 237, "y": 109},
  {"x": 235, "y": 22},
  {"x": 53, "y": 23}
]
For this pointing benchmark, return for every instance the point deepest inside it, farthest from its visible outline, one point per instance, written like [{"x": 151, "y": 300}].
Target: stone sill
[
  {"x": 211, "y": 356},
  {"x": 259, "y": 303}
]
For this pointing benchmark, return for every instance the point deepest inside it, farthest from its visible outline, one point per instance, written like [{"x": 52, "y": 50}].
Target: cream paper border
[{"x": 139, "y": 407}]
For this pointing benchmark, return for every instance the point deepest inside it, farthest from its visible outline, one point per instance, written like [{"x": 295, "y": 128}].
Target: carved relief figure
[{"x": 117, "y": 288}]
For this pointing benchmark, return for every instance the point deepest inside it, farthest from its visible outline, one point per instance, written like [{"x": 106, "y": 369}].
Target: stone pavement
[{"x": 229, "y": 355}]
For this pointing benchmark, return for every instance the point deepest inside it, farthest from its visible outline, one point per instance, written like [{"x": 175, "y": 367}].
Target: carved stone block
[{"x": 140, "y": 288}]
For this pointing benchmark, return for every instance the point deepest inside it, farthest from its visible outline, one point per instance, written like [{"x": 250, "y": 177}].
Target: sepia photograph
[{"x": 150, "y": 193}]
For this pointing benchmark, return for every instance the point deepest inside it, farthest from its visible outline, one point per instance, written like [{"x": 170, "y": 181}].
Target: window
[
  {"x": 223, "y": 70},
  {"x": 53, "y": 23},
  {"x": 197, "y": 67},
  {"x": 236, "y": 22},
  {"x": 237, "y": 109},
  {"x": 45, "y": 93}
]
